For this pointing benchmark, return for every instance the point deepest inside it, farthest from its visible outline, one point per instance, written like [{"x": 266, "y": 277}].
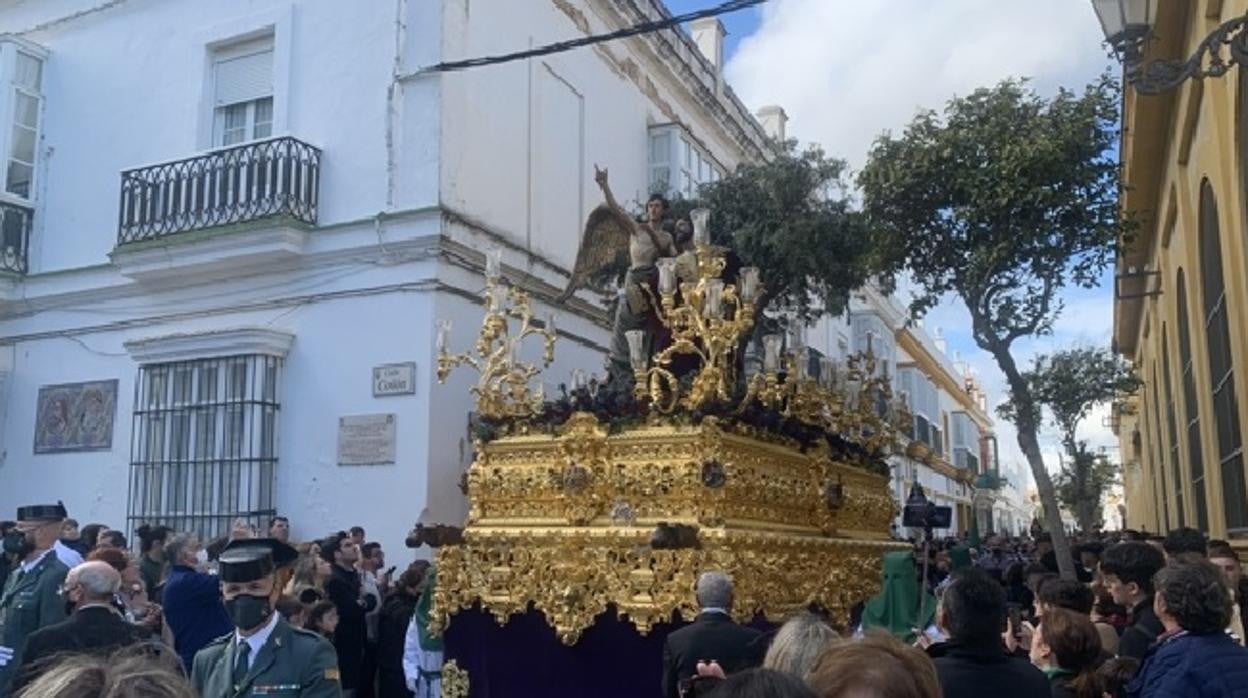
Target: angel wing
[{"x": 603, "y": 252}]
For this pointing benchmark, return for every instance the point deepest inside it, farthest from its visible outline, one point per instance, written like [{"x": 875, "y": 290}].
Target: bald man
[{"x": 95, "y": 625}]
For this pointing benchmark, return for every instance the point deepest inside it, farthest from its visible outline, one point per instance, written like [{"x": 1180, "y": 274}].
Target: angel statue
[{"x": 610, "y": 233}]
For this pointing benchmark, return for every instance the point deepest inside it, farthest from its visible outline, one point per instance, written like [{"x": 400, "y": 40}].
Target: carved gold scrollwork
[
  {"x": 564, "y": 522},
  {"x": 573, "y": 575},
  {"x": 455, "y": 682},
  {"x": 586, "y": 462}
]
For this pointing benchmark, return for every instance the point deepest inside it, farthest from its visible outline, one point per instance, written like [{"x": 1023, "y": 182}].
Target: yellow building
[{"x": 1181, "y": 300}]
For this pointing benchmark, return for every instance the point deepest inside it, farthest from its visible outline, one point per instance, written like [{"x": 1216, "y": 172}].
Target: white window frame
[
  {"x": 276, "y": 23},
  {"x": 224, "y": 54},
  {"x": 687, "y": 163},
  {"x": 10, "y": 48}
]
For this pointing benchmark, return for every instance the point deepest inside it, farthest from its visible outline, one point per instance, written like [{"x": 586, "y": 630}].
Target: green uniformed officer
[
  {"x": 32, "y": 593},
  {"x": 265, "y": 655}
]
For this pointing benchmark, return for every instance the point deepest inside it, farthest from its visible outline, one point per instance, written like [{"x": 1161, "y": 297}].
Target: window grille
[
  {"x": 1176, "y": 463},
  {"x": 1221, "y": 371},
  {"x": 203, "y": 448}
]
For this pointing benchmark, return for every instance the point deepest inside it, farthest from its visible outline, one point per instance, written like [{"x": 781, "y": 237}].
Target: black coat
[
  {"x": 93, "y": 629},
  {"x": 711, "y": 636},
  {"x": 1144, "y": 629},
  {"x": 343, "y": 588},
  {"x": 1062, "y": 686},
  {"x": 971, "y": 671},
  {"x": 396, "y": 613}
]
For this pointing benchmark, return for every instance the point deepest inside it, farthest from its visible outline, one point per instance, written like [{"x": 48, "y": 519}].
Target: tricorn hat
[
  {"x": 42, "y": 512},
  {"x": 249, "y": 559}
]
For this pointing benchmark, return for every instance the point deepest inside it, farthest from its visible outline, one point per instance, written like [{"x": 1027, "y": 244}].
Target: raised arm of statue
[{"x": 600, "y": 176}]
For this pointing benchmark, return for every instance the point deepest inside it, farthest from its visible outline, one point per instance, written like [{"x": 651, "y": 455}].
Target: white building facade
[
  {"x": 948, "y": 409},
  {"x": 220, "y": 218}
]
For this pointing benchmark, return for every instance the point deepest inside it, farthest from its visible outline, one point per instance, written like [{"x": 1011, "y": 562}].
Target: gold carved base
[
  {"x": 565, "y": 523},
  {"x": 572, "y": 576}
]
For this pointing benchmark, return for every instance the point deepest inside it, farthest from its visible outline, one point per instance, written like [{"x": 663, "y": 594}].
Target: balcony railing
[
  {"x": 15, "y": 223},
  {"x": 277, "y": 177}
]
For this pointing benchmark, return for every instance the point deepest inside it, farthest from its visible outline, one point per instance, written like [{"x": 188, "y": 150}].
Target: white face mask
[{"x": 201, "y": 557}]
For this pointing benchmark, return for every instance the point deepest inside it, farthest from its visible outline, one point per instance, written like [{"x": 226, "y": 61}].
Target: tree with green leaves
[
  {"x": 1082, "y": 482},
  {"x": 1003, "y": 200},
  {"x": 791, "y": 216},
  {"x": 1069, "y": 383}
]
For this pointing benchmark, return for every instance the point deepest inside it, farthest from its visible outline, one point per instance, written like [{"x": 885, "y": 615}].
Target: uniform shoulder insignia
[
  {"x": 331, "y": 674},
  {"x": 221, "y": 640}
]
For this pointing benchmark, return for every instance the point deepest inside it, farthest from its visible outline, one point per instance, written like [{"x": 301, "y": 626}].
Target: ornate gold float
[{"x": 777, "y": 478}]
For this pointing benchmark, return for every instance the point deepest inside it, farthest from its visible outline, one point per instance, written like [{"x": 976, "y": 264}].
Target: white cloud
[{"x": 847, "y": 70}]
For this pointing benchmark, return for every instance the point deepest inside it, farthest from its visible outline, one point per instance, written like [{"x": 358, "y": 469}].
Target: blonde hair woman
[
  {"x": 798, "y": 644},
  {"x": 126, "y": 675},
  {"x": 308, "y": 582}
]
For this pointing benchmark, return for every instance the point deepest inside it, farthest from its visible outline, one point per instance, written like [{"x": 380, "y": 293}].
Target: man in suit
[
  {"x": 712, "y": 637},
  {"x": 345, "y": 588},
  {"x": 264, "y": 655},
  {"x": 31, "y": 598},
  {"x": 95, "y": 626}
]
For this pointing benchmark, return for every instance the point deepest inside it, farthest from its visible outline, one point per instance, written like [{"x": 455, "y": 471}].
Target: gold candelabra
[
  {"x": 855, "y": 400},
  {"x": 706, "y": 322},
  {"x": 503, "y": 387}
]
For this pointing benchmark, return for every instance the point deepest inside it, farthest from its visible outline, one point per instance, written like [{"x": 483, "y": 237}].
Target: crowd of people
[
  {"x": 84, "y": 613},
  {"x": 1145, "y": 617}
]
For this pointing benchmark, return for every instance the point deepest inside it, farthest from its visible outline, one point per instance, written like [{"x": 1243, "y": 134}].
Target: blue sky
[
  {"x": 847, "y": 70},
  {"x": 737, "y": 24}
]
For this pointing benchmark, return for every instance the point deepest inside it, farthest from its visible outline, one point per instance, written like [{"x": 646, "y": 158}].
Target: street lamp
[{"x": 1129, "y": 23}]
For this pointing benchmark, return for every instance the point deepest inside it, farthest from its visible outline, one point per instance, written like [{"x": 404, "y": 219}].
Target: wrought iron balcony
[
  {"x": 15, "y": 223},
  {"x": 266, "y": 179}
]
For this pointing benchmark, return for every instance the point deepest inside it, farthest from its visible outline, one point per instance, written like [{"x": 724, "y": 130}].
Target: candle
[
  {"x": 444, "y": 335},
  {"x": 827, "y": 372},
  {"x": 493, "y": 263},
  {"x": 578, "y": 379},
  {"x": 771, "y": 353},
  {"x": 797, "y": 335},
  {"x": 748, "y": 282},
  {"x": 701, "y": 218},
  {"x": 637, "y": 349},
  {"x": 712, "y": 301},
  {"x": 550, "y": 325},
  {"x": 667, "y": 274}
]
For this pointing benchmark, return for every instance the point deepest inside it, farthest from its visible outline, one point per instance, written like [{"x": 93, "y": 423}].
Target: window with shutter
[{"x": 243, "y": 92}]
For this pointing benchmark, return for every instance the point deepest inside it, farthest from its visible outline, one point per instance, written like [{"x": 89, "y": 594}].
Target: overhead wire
[{"x": 561, "y": 46}]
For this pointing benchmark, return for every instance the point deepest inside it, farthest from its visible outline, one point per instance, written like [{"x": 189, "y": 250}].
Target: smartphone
[{"x": 1016, "y": 619}]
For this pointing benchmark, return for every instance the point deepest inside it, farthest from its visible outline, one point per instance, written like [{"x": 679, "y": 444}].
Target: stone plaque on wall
[{"x": 366, "y": 439}]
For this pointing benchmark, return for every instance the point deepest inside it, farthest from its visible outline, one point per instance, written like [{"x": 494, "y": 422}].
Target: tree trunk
[
  {"x": 1086, "y": 509},
  {"x": 1027, "y": 440}
]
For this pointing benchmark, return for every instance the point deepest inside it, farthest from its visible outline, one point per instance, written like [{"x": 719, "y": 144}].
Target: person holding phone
[{"x": 974, "y": 662}]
